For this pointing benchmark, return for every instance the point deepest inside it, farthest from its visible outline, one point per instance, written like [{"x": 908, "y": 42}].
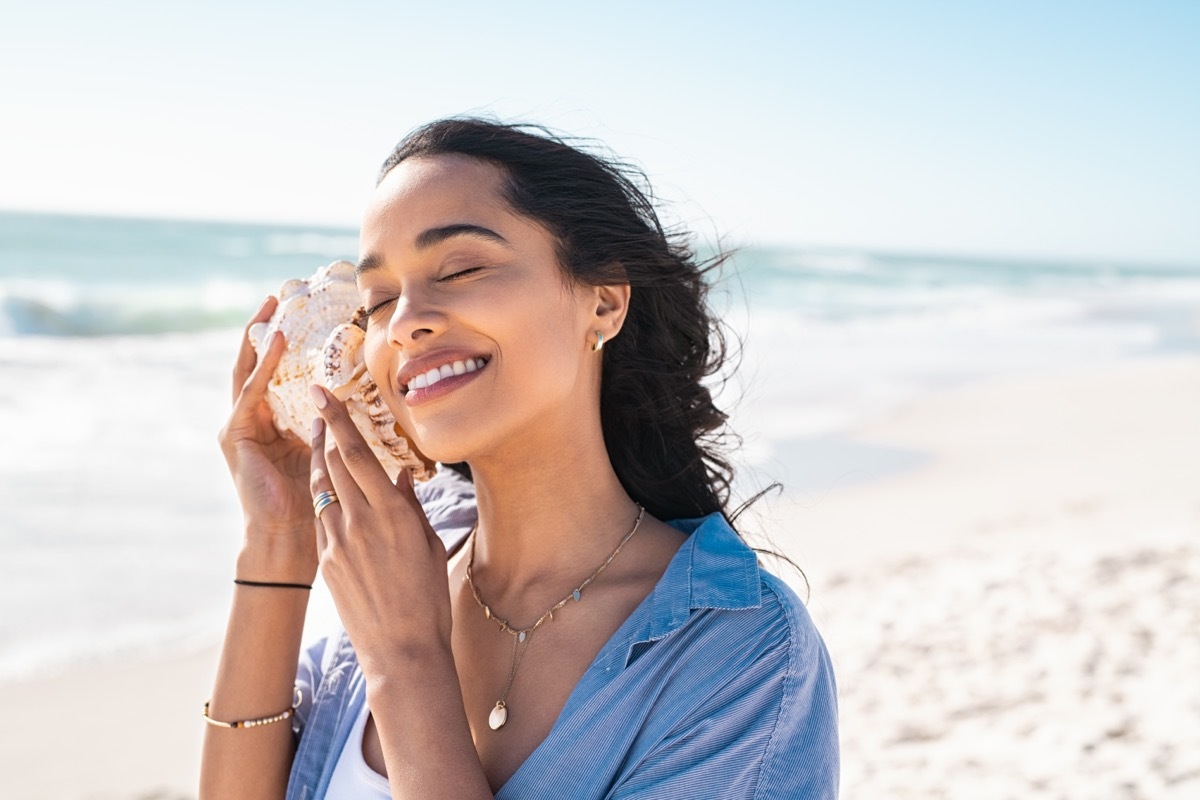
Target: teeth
[{"x": 426, "y": 379}]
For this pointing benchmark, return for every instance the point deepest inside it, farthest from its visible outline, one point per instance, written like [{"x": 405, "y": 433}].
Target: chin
[
  {"x": 468, "y": 432},
  {"x": 442, "y": 445}
]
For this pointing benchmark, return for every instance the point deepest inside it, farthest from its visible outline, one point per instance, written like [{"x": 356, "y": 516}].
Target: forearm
[
  {"x": 255, "y": 679},
  {"x": 423, "y": 729}
]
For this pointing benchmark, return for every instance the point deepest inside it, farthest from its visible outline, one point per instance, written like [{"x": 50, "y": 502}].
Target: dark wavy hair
[{"x": 665, "y": 436}]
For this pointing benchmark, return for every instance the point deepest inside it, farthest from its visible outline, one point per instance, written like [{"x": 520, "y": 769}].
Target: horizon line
[{"x": 931, "y": 251}]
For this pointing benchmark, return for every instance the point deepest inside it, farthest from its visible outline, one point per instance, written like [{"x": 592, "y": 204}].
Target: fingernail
[
  {"x": 318, "y": 395},
  {"x": 318, "y": 427},
  {"x": 276, "y": 336}
]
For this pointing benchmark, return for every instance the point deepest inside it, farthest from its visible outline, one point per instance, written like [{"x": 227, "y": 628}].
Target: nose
[{"x": 413, "y": 318}]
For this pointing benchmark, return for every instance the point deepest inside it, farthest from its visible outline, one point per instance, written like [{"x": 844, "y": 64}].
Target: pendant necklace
[{"x": 499, "y": 714}]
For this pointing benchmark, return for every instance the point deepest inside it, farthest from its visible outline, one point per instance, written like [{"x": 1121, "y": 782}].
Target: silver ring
[{"x": 323, "y": 501}]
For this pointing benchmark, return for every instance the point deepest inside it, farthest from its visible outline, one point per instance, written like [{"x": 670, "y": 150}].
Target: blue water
[{"x": 90, "y": 276}]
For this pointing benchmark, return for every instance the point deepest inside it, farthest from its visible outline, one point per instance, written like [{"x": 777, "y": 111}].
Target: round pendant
[{"x": 498, "y": 717}]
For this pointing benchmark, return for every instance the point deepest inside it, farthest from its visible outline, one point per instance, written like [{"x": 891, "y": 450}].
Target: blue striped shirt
[{"x": 716, "y": 686}]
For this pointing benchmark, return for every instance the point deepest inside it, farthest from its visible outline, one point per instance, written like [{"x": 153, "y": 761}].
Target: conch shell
[{"x": 323, "y": 323}]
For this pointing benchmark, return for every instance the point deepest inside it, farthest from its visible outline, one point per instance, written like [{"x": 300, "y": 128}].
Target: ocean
[{"x": 120, "y": 525}]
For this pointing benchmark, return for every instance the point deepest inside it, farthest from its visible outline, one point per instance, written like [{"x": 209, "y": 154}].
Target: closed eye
[
  {"x": 370, "y": 312},
  {"x": 378, "y": 306},
  {"x": 460, "y": 274}
]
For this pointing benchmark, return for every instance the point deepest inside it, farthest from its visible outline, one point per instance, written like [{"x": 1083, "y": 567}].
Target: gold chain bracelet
[{"x": 251, "y": 723}]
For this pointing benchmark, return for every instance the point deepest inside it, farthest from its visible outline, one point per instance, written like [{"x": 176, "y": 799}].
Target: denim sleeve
[
  {"x": 769, "y": 733},
  {"x": 449, "y": 502},
  {"x": 308, "y": 677},
  {"x": 803, "y": 759}
]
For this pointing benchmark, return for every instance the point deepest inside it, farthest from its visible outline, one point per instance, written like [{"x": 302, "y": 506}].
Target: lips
[{"x": 437, "y": 373}]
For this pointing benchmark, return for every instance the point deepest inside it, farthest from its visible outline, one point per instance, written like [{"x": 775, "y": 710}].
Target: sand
[
  {"x": 1015, "y": 616},
  {"x": 113, "y": 732},
  {"x": 1019, "y": 617}
]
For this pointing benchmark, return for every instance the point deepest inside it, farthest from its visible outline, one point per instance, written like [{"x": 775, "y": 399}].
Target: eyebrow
[{"x": 434, "y": 236}]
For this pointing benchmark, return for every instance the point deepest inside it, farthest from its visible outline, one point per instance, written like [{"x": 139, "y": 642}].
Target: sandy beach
[
  {"x": 1015, "y": 615},
  {"x": 1018, "y": 617}
]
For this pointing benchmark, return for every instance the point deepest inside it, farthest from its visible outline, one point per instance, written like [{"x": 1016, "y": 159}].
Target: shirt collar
[{"x": 713, "y": 569}]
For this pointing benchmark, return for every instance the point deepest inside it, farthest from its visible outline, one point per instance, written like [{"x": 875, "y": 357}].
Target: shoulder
[
  {"x": 798, "y": 634},
  {"x": 748, "y": 672},
  {"x": 770, "y": 653},
  {"x": 802, "y": 757},
  {"x": 717, "y": 584}
]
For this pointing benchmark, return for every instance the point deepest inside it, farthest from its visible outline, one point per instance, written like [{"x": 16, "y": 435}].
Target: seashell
[{"x": 323, "y": 323}]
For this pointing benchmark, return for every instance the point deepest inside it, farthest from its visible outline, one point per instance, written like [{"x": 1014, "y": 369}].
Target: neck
[{"x": 549, "y": 515}]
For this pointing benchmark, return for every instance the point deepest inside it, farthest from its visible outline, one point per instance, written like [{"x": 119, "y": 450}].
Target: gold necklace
[{"x": 499, "y": 714}]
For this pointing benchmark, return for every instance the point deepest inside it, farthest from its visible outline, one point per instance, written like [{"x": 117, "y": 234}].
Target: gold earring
[{"x": 599, "y": 341}]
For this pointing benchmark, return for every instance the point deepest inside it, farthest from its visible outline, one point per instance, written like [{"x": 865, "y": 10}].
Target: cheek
[
  {"x": 545, "y": 359},
  {"x": 378, "y": 358},
  {"x": 374, "y": 356}
]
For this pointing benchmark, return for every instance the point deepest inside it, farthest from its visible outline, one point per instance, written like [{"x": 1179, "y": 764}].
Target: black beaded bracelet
[{"x": 270, "y": 584}]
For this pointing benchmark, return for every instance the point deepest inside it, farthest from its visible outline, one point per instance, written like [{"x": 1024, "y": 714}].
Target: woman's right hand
[{"x": 270, "y": 470}]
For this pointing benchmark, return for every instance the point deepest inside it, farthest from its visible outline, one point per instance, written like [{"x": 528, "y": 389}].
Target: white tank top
[{"x": 353, "y": 778}]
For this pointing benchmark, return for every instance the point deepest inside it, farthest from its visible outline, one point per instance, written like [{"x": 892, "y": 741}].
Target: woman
[{"x": 601, "y": 631}]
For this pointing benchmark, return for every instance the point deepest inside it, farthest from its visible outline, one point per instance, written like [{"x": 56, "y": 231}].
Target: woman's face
[{"x": 457, "y": 282}]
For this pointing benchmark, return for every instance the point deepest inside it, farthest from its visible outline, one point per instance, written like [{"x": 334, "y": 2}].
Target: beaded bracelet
[{"x": 250, "y": 723}]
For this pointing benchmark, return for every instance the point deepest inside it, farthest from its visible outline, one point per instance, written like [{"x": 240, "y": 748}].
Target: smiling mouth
[{"x": 461, "y": 367}]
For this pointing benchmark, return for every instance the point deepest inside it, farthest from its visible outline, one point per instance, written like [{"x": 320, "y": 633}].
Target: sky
[{"x": 1034, "y": 129}]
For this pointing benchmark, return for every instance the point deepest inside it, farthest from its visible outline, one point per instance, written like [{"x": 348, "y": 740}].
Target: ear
[{"x": 611, "y": 304}]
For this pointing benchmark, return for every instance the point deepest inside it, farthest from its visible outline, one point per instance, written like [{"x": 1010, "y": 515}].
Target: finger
[
  {"x": 255, "y": 388},
  {"x": 349, "y": 492},
  {"x": 352, "y": 450},
  {"x": 247, "y": 356},
  {"x": 406, "y": 488},
  {"x": 404, "y": 482},
  {"x": 330, "y": 474},
  {"x": 319, "y": 481}
]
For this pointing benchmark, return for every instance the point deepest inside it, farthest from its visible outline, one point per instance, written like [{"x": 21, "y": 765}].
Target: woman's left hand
[{"x": 382, "y": 561}]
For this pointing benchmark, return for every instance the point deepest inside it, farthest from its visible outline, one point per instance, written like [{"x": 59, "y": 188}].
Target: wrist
[
  {"x": 410, "y": 658},
  {"x": 280, "y": 562}
]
